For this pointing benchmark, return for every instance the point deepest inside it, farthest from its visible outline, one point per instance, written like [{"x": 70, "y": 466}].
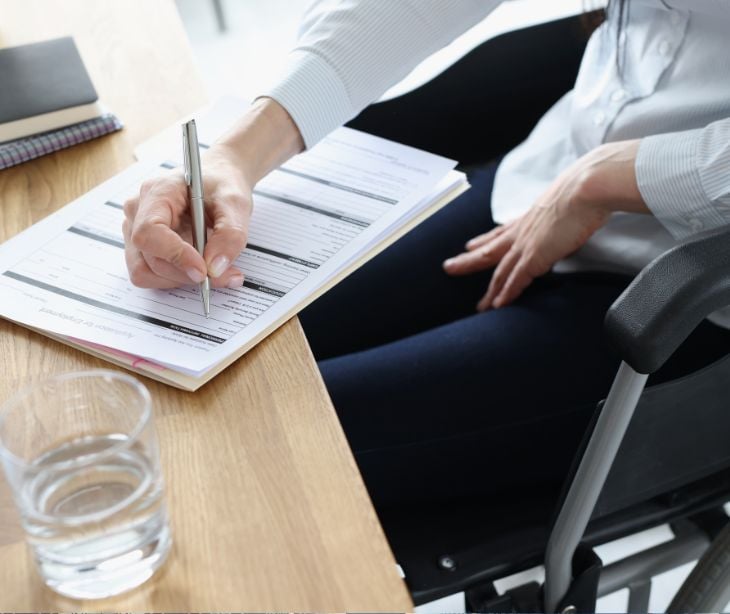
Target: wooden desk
[{"x": 268, "y": 509}]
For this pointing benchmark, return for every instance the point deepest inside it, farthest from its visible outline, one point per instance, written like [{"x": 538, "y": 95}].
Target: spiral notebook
[
  {"x": 48, "y": 101},
  {"x": 31, "y": 147}
]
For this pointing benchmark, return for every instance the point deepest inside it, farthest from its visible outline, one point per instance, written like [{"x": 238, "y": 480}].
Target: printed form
[{"x": 314, "y": 216}]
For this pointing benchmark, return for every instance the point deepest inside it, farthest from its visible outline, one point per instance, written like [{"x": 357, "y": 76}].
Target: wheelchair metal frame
[
  {"x": 692, "y": 281},
  {"x": 635, "y": 572},
  {"x": 588, "y": 482}
]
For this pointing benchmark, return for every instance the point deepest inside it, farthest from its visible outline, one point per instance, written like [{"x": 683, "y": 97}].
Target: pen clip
[{"x": 186, "y": 154}]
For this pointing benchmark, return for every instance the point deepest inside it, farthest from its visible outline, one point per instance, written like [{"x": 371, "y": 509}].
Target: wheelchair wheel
[{"x": 707, "y": 588}]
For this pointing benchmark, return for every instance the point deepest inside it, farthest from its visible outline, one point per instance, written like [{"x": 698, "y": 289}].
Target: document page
[{"x": 311, "y": 218}]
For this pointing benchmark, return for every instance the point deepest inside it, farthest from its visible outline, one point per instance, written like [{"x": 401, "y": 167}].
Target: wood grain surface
[{"x": 267, "y": 507}]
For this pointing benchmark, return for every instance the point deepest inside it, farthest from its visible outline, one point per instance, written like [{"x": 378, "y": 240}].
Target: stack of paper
[{"x": 315, "y": 220}]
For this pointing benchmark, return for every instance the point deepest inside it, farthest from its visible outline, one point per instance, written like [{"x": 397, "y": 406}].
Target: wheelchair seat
[{"x": 673, "y": 464}]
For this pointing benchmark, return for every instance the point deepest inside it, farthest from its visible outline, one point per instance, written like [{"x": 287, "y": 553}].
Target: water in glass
[{"x": 96, "y": 529}]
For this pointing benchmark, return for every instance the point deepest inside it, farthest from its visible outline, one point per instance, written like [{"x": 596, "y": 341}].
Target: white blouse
[{"x": 672, "y": 91}]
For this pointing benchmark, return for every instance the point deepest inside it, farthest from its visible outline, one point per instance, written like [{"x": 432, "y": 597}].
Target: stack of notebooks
[
  {"x": 315, "y": 220},
  {"x": 47, "y": 101}
]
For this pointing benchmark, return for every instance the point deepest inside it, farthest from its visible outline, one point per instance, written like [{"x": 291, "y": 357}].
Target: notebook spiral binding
[{"x": 28, "y": 148}]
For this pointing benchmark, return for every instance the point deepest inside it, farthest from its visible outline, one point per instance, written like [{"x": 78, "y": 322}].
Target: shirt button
[
  {"x": 599, "y": 118},
  {"x": 675, "y": 18},
  {"x": 618, "y": 95},
  {"x": 695, "y": 224},
  {"x": 664, "y": 48}
]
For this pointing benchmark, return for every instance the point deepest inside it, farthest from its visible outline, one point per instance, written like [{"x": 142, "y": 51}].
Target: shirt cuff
[
  {"x": 313, "y": 94},
  {"x": 669, "y": 180}
]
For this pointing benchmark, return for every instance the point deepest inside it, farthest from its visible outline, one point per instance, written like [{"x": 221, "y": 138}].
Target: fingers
[
  {"x": 518, "y": 280},
  {"x": 158, "y": 248},
  {"x": 515, "y": 273},
  {"x": 499, "y": 277},
  {"x": 229, "y": 216},
  {"x": 151, "y": 220},
  {"x": 151, "y": 272},
  {"x": 154, "y": 238},
  {"x": 482, "y": 239},
  {"x": 231, "y": 277},
  {"x": 140, "y": 273},
  {"x": 162, "y": 275},
  {"x": 484, "y": 257}
]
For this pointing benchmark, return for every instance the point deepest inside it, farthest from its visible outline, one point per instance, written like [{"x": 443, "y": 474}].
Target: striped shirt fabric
[{"x": 671, "y": 89}]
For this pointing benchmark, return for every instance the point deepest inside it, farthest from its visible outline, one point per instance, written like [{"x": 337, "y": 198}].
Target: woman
[{"x": 468, "y": 357}]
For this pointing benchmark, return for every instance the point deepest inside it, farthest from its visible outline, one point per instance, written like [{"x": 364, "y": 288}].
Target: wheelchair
[{"x": 652, "y": 456}]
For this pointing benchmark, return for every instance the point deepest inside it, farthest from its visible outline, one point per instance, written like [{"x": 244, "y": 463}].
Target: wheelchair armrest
[{"x": 669, "y": 298}]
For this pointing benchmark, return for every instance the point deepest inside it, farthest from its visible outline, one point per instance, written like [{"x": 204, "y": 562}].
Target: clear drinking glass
[{"x": 81, "y": 456}]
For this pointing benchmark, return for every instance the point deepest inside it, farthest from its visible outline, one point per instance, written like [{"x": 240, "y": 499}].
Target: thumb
[{"x": 229, "y": 217}]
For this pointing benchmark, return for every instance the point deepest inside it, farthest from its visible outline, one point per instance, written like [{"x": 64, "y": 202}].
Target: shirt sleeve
[
  {"x": 684, "y": 178},
  {"x": 712, "y": 7},
  {"x": 349, "y": 52}
]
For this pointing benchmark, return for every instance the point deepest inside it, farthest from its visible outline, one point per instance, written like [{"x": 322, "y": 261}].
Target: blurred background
[{"x": 241, "y": 45}]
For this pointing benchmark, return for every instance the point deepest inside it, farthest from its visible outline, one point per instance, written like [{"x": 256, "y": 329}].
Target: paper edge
[{"x": 190, "y": 383}]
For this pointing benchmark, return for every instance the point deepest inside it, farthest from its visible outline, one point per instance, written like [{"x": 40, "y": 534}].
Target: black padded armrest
[{"x": 669, "y": 298}]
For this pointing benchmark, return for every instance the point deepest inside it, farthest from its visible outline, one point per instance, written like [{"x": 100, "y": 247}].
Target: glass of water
[{"x": 81, "y": 456}]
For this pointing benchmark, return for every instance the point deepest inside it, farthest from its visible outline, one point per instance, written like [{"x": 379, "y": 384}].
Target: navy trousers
[{"x": 440, "y": 402}]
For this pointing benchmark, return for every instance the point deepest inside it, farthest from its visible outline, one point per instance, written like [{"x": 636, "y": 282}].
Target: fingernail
[
  {"x": 219, "y": 266},
  {"x": 195, "y": 275},
  {"x": 449, "y": 262},
  {"x": 235, "y": 282},
  {"x": 469, "y": 244}
]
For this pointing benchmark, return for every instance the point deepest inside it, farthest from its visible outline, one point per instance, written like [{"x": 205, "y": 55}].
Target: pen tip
[{"x": 205, "y": 295}]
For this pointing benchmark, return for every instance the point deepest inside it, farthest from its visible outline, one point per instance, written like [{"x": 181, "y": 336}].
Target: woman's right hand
[
  {"x": 158, "y": 232},
  {"x": 157, "y": 226}
]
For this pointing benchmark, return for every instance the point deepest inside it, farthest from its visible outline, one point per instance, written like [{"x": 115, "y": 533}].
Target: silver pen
[{"x": 194, "y": 180}]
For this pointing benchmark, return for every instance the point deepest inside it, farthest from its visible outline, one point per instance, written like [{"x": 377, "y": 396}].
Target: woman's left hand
[{"x": 562, "y": 220}]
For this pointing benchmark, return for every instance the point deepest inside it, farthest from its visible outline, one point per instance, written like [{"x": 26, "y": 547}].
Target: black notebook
[{"x": 45, "y": 86}]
